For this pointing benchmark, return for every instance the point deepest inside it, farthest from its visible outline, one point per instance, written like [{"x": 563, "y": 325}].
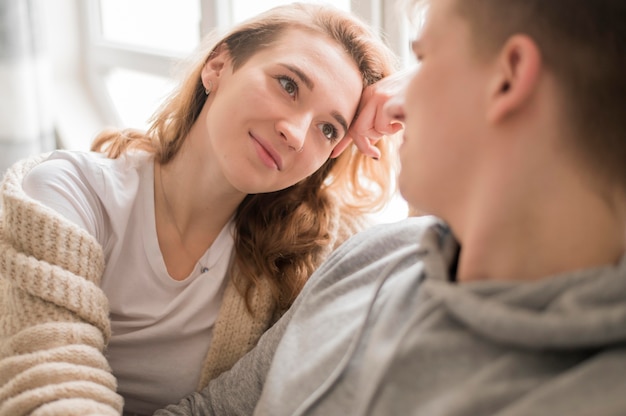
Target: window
[
  {"x": 242, "y": 9},
  {"x": 140, "y": 23}
]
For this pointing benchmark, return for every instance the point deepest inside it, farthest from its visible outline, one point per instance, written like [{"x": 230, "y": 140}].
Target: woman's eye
[
  {"x": 289, "y": 85},
  {"x": 329, "y": 131}
]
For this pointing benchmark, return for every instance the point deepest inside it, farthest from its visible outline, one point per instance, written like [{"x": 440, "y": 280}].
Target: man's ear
[
  {"x": 216, "y": 64},
  {"x": 516, "y": 77}
]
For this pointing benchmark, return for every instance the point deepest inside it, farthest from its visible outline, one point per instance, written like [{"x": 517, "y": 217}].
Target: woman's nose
[{"x": 294, "y": 130}]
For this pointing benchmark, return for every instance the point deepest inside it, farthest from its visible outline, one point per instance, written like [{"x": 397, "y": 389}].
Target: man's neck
[{"x": 539, "y": 225}]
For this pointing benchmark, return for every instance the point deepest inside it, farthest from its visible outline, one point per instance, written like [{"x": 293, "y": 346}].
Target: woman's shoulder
[
  {"x": 93, "y": 163},
  {"x": 91, "y": 169},
  {"x": 57, "y": 167},
  {"x": 64, "y": 163},
  {"x": 82, "y": 186}
]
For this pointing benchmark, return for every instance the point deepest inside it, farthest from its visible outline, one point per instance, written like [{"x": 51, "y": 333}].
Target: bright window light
[
  {"x": 243, "y": 9},
  {"x": 136, "y": 95},
  {"x": 395, "y": 210},
  {"x": 141, "y": 23}
]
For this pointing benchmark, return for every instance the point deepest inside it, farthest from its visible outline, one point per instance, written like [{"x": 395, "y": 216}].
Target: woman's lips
[{"x": 268, "y": 155}]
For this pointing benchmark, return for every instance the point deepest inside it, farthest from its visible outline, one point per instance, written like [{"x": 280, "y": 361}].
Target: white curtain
[{"x": 26, "y": 124}]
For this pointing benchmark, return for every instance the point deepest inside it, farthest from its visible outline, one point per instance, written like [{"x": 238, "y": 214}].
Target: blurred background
[{"x": 69, "y": 68}]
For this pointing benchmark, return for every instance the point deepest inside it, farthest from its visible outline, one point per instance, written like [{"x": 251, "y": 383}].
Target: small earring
[{"x": 208, "y": 89}]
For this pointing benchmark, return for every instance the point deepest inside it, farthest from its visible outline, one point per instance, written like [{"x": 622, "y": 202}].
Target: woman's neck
[
  {"x": 189, "y": 214},
  {"x": 196, "y": 199}
]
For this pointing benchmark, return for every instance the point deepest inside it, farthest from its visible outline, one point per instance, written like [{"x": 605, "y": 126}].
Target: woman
[{"x": 177, "y": 248}]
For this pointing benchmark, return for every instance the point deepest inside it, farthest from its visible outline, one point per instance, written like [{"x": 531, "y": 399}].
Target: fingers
[
  {"x": 374, "y": 119},
  {"x": 341, "y": 146},
  {"x": 367, "y": 146},
  {"x": 363, "y": 131},
  {"x": 372, "y": 124},
  {"x": 366, "y": 141}
]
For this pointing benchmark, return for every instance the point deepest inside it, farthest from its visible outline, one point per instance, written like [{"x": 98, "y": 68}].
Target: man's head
[
  {"x": 583, "y": 44},
  {"x": 496, "y": 61}
]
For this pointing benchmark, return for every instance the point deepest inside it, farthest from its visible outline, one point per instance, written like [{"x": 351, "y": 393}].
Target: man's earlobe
[{"x": 515, "y": 79}]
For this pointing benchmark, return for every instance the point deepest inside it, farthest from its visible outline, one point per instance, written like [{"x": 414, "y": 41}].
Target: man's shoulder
[{"x": 383, "y": 243}]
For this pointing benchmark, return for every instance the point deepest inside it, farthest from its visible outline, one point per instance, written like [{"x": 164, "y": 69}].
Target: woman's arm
[{"x": 53, "y": 315}]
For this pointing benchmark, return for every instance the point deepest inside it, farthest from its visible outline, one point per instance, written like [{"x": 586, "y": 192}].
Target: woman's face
[{"x": 276, "y": 119}]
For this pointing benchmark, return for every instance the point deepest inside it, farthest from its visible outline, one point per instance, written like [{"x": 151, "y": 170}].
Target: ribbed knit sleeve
[{"x": 54, "y": 321}]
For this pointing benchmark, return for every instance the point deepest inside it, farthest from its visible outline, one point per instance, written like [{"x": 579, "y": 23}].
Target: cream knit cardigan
[{"x": 54, "y": 324}]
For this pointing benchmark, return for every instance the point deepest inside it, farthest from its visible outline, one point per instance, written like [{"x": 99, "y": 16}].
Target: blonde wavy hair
[{"x": 279, "y": 235}]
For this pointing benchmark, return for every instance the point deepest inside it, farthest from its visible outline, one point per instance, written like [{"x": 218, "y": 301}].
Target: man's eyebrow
[
  {"x": 304, "y": 77},
  {"x": 341, "y": 120}
]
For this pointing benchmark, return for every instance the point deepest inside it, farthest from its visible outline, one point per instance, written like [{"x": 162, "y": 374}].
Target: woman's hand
[{"x": 372, "y": 121}]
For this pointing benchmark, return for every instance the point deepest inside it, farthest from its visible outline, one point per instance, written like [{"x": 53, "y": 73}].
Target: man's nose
[{"x": 394, "y": 108}]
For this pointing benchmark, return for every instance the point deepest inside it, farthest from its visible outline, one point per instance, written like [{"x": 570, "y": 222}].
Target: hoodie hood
[{"x": 583, "y": 309}]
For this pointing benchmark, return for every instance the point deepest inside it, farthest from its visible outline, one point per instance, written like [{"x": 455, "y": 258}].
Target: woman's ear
[
  {"x": 516, "y": 77},
  {"x": 218, "y": 61}
]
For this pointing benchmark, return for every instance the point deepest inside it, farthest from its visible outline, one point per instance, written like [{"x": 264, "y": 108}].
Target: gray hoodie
[{"x": 381, "y": 329}]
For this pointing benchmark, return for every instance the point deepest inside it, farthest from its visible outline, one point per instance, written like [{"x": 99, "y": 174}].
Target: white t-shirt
[{"x": 161, "y": 327}]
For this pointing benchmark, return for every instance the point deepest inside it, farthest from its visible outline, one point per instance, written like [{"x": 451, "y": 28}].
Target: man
[{"x": 511, "y": 299}]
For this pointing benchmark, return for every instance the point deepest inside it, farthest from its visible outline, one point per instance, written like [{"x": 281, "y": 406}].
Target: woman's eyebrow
[
  {"x": 341, "y": 120},
  {"x": 304, "y": 77}
]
